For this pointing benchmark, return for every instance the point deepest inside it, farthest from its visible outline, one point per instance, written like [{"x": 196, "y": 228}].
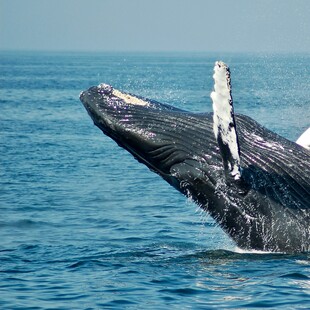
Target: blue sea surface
[{"x": 83, "y": 225}]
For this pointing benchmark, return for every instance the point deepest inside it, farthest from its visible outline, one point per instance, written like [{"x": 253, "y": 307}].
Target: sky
[{"x": 156, "y": 25}]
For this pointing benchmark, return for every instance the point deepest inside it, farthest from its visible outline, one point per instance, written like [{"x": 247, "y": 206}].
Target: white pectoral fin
[
  {"x": 224, "y": 122},
  {"x": 304, "y": 139}
]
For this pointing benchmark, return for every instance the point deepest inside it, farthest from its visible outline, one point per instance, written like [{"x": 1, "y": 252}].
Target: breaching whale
[{"x": 253, "y": 182}]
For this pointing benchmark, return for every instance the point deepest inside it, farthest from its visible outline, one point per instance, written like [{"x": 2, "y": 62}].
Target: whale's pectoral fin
[{"x": 224, "y": 125}]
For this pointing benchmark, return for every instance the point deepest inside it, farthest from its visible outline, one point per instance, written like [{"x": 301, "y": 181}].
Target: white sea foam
[{"x": 241, "y": 251}]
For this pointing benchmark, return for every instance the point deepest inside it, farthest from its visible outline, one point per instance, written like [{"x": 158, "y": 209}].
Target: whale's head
[{"x": 164, "y": 138}]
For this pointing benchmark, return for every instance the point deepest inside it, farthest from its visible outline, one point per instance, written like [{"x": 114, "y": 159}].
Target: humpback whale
[{"x": 253, "y": 182}]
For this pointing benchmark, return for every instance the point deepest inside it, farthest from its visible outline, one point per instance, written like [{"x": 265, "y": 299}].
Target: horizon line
[{"x": 129, "y": 51}]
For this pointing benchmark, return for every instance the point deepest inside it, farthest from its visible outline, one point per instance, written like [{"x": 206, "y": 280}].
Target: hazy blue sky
[{"x": 156, "y": 25}]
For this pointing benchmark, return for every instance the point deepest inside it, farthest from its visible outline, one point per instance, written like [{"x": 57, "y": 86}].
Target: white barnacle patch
[
  {"x": 129, "y": 99},
  {"x": 223, "y": 116}
]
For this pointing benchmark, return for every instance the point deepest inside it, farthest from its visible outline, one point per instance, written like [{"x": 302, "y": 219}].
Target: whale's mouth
[
  {"x": 158, "y": 135},
  {"x": 124, "y": 116},
  {"x": 137, "y": 124}
]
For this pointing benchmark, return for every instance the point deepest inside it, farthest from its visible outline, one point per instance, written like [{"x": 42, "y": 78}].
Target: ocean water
[{"x": 85, "y": 226}]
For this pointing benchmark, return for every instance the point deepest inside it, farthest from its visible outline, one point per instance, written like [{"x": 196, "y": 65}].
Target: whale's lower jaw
[{"x": 267, "y": 210}]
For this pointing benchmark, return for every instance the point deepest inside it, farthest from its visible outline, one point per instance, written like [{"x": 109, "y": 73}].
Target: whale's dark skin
[{"x": 267, "y": 210}]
